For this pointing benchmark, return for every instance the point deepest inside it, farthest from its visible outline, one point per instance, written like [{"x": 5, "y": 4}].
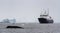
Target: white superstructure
[{"x": 45, "y": 14}]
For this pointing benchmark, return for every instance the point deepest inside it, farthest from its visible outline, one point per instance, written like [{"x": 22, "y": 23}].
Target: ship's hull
[{"x": 44, "y": 20}]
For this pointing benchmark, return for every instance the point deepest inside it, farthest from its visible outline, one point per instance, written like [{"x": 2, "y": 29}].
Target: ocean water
[{"x": 31, "y": 28}]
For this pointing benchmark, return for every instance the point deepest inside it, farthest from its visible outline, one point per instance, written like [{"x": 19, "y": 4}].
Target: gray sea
[{"x": 30, "y": 28}]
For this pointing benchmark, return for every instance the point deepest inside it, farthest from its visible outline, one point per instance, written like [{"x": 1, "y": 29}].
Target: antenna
[
  {"x": 48, "y": 11},
  {"x": 41, "y": 11}
]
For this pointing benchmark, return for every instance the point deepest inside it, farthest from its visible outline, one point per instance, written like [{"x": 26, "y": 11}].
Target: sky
[{"x": 27, "y": 11}]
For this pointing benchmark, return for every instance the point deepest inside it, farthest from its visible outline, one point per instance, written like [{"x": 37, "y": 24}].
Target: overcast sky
[{"x": 29, "y": 10}]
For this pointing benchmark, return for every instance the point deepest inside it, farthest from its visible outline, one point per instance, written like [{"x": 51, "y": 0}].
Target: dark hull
[{"x": 44, "y": 20}]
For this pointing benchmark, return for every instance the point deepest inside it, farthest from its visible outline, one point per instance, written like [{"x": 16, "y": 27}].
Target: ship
[{"x": 45, "y": 18}]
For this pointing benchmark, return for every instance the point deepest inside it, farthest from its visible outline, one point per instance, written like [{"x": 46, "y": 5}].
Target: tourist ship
[{"x": 45, "y": 18}]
